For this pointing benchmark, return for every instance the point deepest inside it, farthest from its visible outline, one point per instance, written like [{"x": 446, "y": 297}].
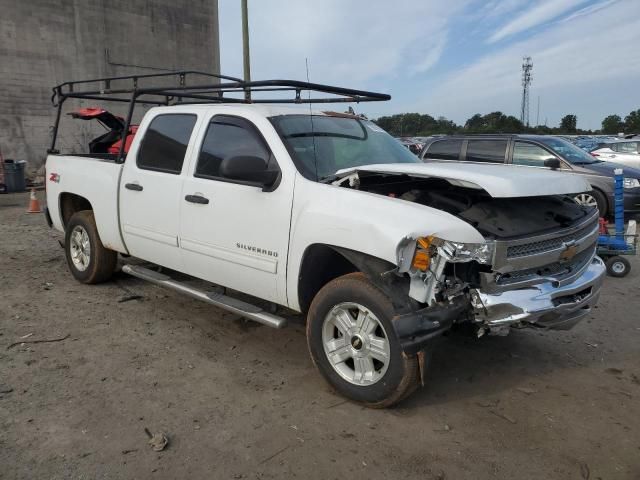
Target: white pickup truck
[{"x": 326, "y": 214}]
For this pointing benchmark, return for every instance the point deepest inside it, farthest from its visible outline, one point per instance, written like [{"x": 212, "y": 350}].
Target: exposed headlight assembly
[
  {"x": 631, "y": 182},
  {"x": 427, "y": 247},
  {"x": 467, "y": 252}
]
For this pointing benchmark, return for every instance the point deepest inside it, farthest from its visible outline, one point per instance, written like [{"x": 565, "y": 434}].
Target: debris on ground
[
  {"x": 39, "y": 341},
  {"x": 128, "y": 298},
  {"x": 5, "y": 389},
  {"x": 504, "y": 416},
  {"x": 158, "y": 441},
  {"x": 526, "y": 390},
  {"x": 584, "y": 471}
]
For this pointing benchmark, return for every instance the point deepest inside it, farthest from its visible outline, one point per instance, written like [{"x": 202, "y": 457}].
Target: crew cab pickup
[{"x": 325, "y": 214}]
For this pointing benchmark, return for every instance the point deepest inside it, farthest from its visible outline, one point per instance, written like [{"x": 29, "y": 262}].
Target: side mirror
[
  {"x": 248, "y": 168},
  {"x": 553, "y": 163}
]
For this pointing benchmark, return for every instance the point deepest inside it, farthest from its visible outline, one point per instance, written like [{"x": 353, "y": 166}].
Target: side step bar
[{"x": 245, "y": 309}]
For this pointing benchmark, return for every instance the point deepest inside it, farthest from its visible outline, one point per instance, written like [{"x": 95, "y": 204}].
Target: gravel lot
[{"x": 240, "y": 400}]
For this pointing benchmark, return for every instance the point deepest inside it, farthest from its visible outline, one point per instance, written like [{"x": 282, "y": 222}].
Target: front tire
[
  {"x": 353, "y": 343},
  {"x": 88, "y": 259},
  {"x": 594, "y": 198}
]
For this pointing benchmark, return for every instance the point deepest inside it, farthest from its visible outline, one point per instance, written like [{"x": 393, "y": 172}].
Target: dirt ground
[{"x": 240, "y": 400}]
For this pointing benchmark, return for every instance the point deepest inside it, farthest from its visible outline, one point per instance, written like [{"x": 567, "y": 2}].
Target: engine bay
[{"x": 494, "y": 218}]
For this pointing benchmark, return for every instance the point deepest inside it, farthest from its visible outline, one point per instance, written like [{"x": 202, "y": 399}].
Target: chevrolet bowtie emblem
[{"x": 569, "y": 252}]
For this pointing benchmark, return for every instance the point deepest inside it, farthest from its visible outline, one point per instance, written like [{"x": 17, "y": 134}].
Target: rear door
[
  {"x": 486, "y": 150},
  {"x": 444, "y": 150},
  {"x": 151, "y": 187},
  {"x": 232, "y": 233}
]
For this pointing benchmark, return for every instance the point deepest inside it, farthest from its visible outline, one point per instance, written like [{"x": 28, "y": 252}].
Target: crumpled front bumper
[{"x": 543, "y": 304}]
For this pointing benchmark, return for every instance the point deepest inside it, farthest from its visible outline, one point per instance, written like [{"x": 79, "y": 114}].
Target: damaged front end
[{"x": 551, "y": 281}]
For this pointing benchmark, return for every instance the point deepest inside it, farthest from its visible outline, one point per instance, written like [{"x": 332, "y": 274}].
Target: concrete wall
[{"x": 46, "y": 42}]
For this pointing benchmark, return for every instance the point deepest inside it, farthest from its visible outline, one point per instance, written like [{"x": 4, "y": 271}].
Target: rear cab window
[
  {"x": 486, "y": 150},
  {"x": 165, "y": 142},
  {"x": 444, "y": 150}
]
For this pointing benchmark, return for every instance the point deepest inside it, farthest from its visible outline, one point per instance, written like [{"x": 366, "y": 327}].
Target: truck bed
[{"x": 95, "y": 179}]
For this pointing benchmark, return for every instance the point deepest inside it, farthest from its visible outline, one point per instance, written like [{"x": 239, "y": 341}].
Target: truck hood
[{"x": 499, "y": 181}]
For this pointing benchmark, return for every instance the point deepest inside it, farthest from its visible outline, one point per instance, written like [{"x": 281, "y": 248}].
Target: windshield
[
  {"x": 321, "y": 145},
  {"x": 568, "y": 151}
]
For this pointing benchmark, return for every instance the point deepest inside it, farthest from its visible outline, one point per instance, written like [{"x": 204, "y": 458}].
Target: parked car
[
  {"x": 625, "y": 153},
  {"x": 541, "y": 152},
  {"x": 327, "y": 215},
  {"x": 588, "y": 143},
  {"x": 412, "y": 144}
]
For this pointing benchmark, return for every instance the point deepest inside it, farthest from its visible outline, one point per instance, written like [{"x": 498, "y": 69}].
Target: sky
[{"x": 450, "y": 58}]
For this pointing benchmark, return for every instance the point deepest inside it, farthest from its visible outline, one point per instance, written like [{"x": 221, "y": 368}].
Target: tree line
[{"x": 417, "y": 125}]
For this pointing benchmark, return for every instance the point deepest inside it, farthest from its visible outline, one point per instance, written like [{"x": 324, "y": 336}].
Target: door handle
[
  {"x": 196, "y": 199},
  {"x": 133, "y": 186},
  {"x": 612, "y": 156}
]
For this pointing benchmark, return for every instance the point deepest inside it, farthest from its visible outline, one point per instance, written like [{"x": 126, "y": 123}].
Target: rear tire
[
  {"x": 618, "y": 266},
  {"x": 353, "y": 343},
  {"x": 88, "y": 259}
]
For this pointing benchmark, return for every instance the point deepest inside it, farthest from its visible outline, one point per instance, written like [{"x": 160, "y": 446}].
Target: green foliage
[
  {"x": 632, "y": 122},
  {"x": 569, "y": 124},
  {"x": 416, "y": 125},
  {"x": 612, "y": 124},
  {"x": 422, "y": 125},
  {"x": 495, "y": 122}
]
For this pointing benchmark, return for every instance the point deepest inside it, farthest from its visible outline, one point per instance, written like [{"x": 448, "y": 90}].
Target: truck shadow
[{"x": 464, "y": 367}]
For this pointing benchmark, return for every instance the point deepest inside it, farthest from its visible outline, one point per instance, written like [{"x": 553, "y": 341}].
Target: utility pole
[
  {"x": 538, "y": 114},
  {"x": 527, "y": 66},
  {"x": 245, "y": 47}
]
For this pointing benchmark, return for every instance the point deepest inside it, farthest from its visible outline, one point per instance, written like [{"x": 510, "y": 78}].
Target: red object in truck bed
[{"x": 111, "y": 141}]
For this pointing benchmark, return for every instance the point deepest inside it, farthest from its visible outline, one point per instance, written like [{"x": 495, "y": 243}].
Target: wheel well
[
  {"x": 320, "y": 264},
  {"x": 71, "y": 203},
  {"x": 606, "y": 200},
  {"x": 323, "y": 263}
]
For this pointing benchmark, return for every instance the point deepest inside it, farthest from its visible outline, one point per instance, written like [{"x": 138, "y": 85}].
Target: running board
[{"x": 247, "y": 310}]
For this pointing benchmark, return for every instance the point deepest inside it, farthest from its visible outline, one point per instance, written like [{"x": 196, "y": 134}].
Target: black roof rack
[{"x": 191, "y": 86}]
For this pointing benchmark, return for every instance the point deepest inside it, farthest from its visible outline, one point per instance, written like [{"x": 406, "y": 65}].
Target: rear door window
[
  {"x": 486, "y": 151},
  {"x": 165, "y": 143},
  {"x": 529, "y": 154},
  {"x": 444, "y": 150}
]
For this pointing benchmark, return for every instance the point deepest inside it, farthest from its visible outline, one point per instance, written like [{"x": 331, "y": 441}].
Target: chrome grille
[
  {"x": 557, "y": 269},
  {"x": 543, "y": 246}
]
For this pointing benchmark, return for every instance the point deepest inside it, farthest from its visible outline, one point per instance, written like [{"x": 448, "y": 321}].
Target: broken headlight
[
  {"x": 428, "y": 247},
  {"x": 467, "y": 252}
]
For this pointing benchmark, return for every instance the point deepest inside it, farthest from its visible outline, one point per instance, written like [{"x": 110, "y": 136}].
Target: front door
[
  {"x": 150, "y": 190},
  {"x": 232, "y": 233}
]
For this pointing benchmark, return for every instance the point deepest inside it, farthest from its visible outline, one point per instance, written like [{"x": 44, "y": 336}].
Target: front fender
[{"x": 363, "y": 222}]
